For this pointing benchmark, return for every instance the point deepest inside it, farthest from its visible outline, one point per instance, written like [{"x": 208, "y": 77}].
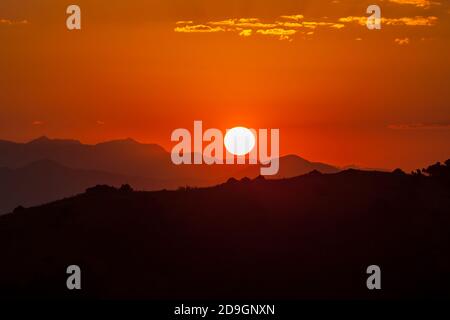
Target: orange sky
[{"x": 338, "y": 92}]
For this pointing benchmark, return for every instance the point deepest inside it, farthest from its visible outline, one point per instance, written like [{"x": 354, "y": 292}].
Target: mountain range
[{"x": 44, "y": 169}]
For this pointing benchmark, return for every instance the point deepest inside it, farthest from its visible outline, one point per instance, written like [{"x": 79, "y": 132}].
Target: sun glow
[{"x": 239, "y": 141}]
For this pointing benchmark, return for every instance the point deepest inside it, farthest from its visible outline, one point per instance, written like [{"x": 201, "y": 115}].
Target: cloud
[
  {"x": 12, "y": 22},
  {"x": 417, "y": 3},
  {"x": 289, "y": 24},
  {"x": 310, "y": 24},
  {"x": 246, "y": 33},
  {"x": 416, "y": 21},
  {"x": 402, "y": 41},
  {"x": 360, "y": 20},
  {"x": 248, "y": 20},
  {"x": 198, "y": 28},
  {"x": 284, "y": 27},
  {"x": 337, "y": 26},
  {"x": 420, "y": 126},
  {"x": 404, "y": 21},
  {"x": 295, "y": 17},
  {"x": 283, "y": 34},
  {"x": 242, "y": 23}
]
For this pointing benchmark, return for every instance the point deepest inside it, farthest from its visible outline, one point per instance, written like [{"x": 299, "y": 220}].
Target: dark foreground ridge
[{"x": 310, "y": 237}]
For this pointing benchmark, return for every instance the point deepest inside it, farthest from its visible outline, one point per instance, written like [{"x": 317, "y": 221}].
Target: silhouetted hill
[
  {"x": 291, "y": 166},
  {"x": 130, "y": 158},
  {"x": 125, "y": 157},
  {"x": 311, "y": 236},
  {"x": 145, "y": 166},
  {"x": 45, "y": 180},
  {"x": 46, "y": 141}
]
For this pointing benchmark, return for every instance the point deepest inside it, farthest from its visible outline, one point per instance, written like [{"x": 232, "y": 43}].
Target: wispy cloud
[
  {"x": 198, "y": 28},
  {"x": 185, "y": 22},
  {"x": 242, "y": 23},
  {"x": 402, "y": 41},
  {"x": 415, "y": 21},
  {"x": 9, "y": 22},
  {"x": 296, "y": 17},
  {"x": 286, "y": 26},
  {"x": 311, "y": 24},
  {"x": 246, "y": 33},
  {"x": 283, "y": 34},
  {"x": 420, "y": 126},
  {"x": 283, "y": 28},
  {"x": 404, "y": 21},
  {"x": 417, "y": 3}
]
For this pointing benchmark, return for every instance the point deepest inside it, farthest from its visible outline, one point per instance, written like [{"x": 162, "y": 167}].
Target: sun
[{"x": 239, "y": 141}]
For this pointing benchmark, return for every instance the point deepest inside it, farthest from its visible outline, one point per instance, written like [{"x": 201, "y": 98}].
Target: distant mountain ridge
[
  {"x": 45, "y": 180},
  {"x": 64, "y": 167}
]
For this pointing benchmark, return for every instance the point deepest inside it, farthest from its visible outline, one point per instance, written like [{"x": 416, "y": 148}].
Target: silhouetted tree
[
  {"x": 438, "y": 170},
  {"x": 126, "y": 188},
  {"x": 399, "y": 171},
  {"x": 186, "y": 188},
  {"x": 101, "y": 189}
]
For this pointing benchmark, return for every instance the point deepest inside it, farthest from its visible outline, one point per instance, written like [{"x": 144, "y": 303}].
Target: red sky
[{"x": 338, "y": 92}]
